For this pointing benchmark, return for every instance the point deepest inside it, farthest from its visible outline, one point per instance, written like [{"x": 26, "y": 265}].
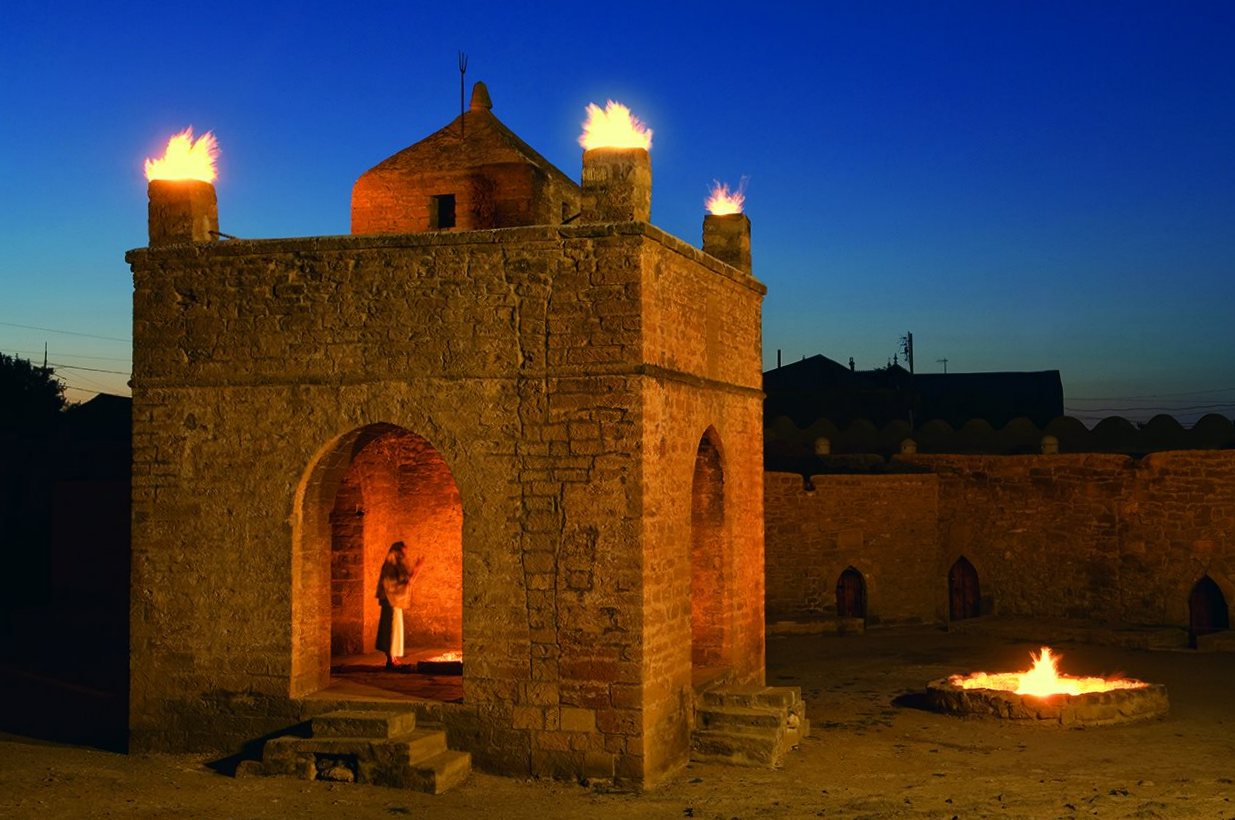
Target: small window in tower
[{"x": 442, "y": 211}]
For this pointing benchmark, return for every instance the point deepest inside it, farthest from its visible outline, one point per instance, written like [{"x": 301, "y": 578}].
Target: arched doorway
[
  {"x": 851, "y": 594},
  {"x": 964, "y": 595},
  {"x": 707, "y": 555},
  {"x": 372, "y": 487},
  {"x": 1207, "y": 609}
]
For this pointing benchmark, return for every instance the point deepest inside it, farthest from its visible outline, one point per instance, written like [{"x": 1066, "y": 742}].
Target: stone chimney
[
  {"x": 617, "y": 185},
  {"x": 182, "y": 210},
  {"x": 727, "y": 237}
]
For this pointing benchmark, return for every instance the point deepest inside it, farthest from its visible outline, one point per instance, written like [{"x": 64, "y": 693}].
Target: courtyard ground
[{"x": 873, "y": 752}]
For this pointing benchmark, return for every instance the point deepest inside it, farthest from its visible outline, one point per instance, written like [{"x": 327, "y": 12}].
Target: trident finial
[{"x": 462, "y": 110}]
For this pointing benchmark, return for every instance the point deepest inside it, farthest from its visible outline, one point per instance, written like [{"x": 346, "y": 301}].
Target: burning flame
[
  {"x": 448, "y": 655},
  {"x": 186, "y": 158},
  {"x": 723, "y": 201},
  {"x": 613, "y": 127},
  {"x": 1042, "y": 680}
]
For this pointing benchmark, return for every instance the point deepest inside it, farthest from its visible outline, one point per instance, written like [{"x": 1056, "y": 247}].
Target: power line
[
  {"x": 1148, "y": 409},
  {"x": 89, "y": 369},
  {"x": 65, "y": 332},
  {"x": 80, "y": 356},
  {"x": 1150, "y": 396}
]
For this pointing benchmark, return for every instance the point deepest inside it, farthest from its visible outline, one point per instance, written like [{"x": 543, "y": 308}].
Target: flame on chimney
[
  {"x": 186, "y": 158},
  {"x": 722, "y": 201},
  {"x": 614, "y": 127}
]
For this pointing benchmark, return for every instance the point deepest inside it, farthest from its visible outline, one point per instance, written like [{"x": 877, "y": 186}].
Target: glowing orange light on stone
[
  {"x": 186, "y": 158},
  {"x": 613, "y": 127},
  {"x": 1042, "y": 680},
  {"x": 448, "y": 655},
  {"x": 723, "y": 201}
]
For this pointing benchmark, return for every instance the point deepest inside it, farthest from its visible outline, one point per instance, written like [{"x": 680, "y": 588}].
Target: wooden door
[
  {"x": 851, "y": 594},
  {"x": 964, "y": 595},
  {"x": 1207, "y": 609}
]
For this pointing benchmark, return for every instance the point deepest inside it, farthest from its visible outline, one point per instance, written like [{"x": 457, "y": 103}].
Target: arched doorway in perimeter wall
[
  {"x": 964, "y": 594},
  {"x": 851, "y": 594},
  {"x": 379, "y": 485},
  {"x": 708, "y": 562},
  {"x": 1207, "y": 609}
]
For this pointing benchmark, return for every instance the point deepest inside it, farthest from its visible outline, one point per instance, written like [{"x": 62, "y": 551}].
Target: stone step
[
  {"x": 442, "y": 771},
  {"x": 776, "y": 697},
  {"x": 744, "y": 749},
  {"x": 364, "y": 723},
  {"x": 748, "y": 725},
  {"x": 740, "y": 719},
  {"x": 416, "y": 760}
]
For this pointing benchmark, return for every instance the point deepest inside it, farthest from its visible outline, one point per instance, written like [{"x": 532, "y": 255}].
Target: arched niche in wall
[{"x": 708, "y": 554}]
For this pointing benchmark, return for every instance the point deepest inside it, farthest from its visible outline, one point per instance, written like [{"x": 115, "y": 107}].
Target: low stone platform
[
  {"x": 748, "y": 725},
  {"x": 380, "y": 747},
  {"x": 1091, "y": 709}
]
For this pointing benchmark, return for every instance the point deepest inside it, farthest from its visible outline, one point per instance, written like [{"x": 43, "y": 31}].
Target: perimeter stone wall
[
  {"x": 1094, "y": 536},
  {"x": 884, "y": 526}
]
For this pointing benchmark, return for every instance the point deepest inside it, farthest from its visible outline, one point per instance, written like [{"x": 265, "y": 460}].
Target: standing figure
[{"x": 394, "y": 593}]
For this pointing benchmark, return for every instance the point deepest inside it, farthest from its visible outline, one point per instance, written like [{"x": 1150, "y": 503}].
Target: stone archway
[
  {"x": 367, "y": 489},
  {"x": 1207, "y": 609},
  {"x": 964, "y": 592},
  {"x": 708, "y": 550},
  {"x": 851, "y": 594}
]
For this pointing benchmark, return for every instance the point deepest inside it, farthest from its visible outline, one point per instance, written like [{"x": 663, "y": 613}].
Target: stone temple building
[{"x": 553, "y": 402}]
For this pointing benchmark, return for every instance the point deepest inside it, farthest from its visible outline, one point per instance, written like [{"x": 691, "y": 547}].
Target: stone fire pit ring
[{"x": 1091, "y": 709}]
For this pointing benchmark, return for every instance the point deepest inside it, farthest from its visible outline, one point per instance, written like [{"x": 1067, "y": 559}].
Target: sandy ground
[{"x": 872, "y": 753}]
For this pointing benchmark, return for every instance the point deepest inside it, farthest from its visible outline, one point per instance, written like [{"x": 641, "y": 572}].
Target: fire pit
[
  {"x": 447, "y": 663},
  {"x": 1042, "y": 696}
]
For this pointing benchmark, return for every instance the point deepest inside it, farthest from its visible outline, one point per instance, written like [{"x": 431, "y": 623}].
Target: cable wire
[{"x": 65, "y": 332}]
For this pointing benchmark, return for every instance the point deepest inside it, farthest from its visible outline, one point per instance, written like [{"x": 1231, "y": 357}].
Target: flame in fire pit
[
  {"x": 448, "y": 655},
  {"x": 723, "y": 201},
  {"x": 1042, "y": 680},
  {"x": 613, "y": 127},
  {"x": 186, "y": 158}
]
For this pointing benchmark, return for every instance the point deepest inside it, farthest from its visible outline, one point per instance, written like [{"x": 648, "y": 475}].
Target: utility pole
[{"x": 945, "y": 364}]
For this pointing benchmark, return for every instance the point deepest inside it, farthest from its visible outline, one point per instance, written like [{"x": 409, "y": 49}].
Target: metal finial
[{"x": 462, "y": 110}]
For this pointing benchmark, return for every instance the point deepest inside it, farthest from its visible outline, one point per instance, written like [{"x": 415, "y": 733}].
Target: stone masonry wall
[
  {"x": 1103, "y": 537},
  {"x": 1092, "y": 536},
  {"x": 490, "y": 196},
  {"x": 702, "y": 347},
  {"x": 884, "y": 526},
  {"x": 262, "y": 367}
]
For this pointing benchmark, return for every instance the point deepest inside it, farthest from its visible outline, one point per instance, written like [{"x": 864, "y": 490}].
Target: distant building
[{"x": 820, "y": 388}]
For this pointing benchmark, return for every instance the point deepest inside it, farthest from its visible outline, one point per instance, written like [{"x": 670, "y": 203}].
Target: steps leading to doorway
[
  {"x": 380, "y": 747},
  {"x": 748, "y": 725}
]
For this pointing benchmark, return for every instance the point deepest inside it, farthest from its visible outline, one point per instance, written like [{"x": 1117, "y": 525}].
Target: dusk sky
[{"x": 1023, "y": 185}]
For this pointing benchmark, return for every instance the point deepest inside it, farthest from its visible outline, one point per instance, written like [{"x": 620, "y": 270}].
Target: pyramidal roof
[{"x": 474, "y": 138}]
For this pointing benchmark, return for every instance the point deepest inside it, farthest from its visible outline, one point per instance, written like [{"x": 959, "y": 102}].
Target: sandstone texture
[
  {"x": 560, "y": 412},
  {"x": 1099, "y": 537}
]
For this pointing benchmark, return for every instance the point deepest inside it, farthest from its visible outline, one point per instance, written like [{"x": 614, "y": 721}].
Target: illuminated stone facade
[
  {"x": 551, "y": 414},
  {"x": 1093, "y": 536}
]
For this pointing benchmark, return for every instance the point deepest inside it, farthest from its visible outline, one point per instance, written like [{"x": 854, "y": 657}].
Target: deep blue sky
[{"x": 1024, "y": 185}]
